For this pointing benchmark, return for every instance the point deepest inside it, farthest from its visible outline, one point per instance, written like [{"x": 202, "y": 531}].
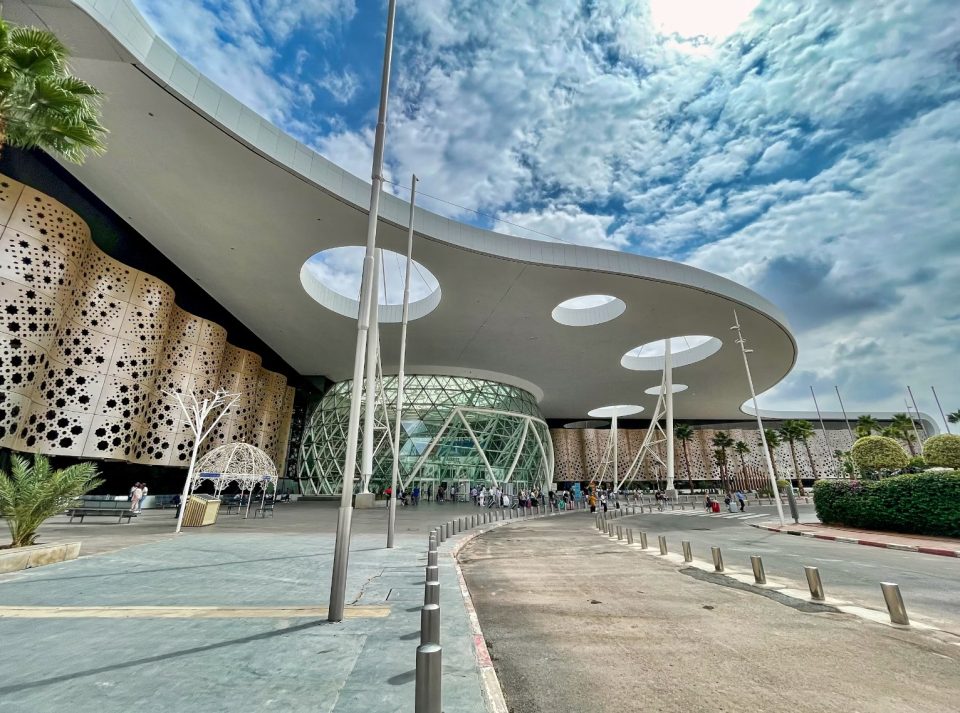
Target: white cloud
[{"x": 342, "y": 86}]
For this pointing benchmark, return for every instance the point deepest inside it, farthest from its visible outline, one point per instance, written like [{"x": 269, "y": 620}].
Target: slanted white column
[
  {"x": 370, "y": 404},
  {"x": 616, "y": 465},
  {"x": 668, "y": 387}
]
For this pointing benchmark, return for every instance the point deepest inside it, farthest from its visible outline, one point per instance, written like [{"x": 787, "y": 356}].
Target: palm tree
[
  {"x": 34, "y": 493},
  {"x": 791, "y": 431},
  {"x": 866, "y": 424},
  {"x": 901, "y": 426},
  {"x": 773, "y": 440},
  {"x": 42, "y": 105},
  {"x": 954, "y": 417},
  {"x": 721, "y": 442},
  {"x": 683, "y": 432},
  {"x": 741, "y": 448}
]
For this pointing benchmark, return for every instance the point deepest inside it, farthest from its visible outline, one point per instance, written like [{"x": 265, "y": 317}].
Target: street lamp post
[
  {"x": 395, "y": 468},
  {"x": 756, "y": 411},
  {"x": 341, "y": 553}
]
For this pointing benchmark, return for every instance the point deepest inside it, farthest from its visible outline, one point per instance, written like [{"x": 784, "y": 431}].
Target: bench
[
  {"x": 262, "y": 510},
  {"x": 100, "y": 512}
]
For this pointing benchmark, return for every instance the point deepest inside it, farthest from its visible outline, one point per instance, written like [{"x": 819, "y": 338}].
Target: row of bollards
[
  {"x": 430, "y": 653},
  {"x": 891, "y": 592}
]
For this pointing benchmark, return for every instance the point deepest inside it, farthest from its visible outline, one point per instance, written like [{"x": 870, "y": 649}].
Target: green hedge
[
  {"x": 920, "y": 503},
  {"x": 942, "y": 450}
]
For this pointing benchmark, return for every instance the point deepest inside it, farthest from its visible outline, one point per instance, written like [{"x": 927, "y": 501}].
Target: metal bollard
[
  {"x": 687, "y": 551},
  {"x": 813, "y": 581},
  {"x": 474, "y": 520},
  {"x": 629, "y": 535},
  {"x": 462, "y": 525},
  {"x": 430, "y": 624},
  {"x": 448, "y": 528},
  {"x": 433, "y": 573},
  {"x": 663, "y": 544},
  {"x": 759, "y": 576},
  {"x": 432, "y": 557},
  {"x": 619, "y": 532},
  {"x": 643, "y": 540},
  {"x": 441, "y": 537},
  {"x": 891, "y": 595},
  {"x": 431, "y": 593},
  {"x": 429, "y": 667},
  {"x": 717, "y": 559}
]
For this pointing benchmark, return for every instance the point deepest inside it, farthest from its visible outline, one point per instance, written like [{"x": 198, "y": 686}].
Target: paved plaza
[{"x": 231, "y": 618}]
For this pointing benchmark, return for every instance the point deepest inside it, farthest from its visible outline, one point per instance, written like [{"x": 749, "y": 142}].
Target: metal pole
[
  {"x": 844, "y": 412},
  {"x": 395, "y": 469},
  {"x": 668, "y": 386},
  {"x": 429, "y": 667},
  {"x": 430, "y": 624},
  {"x": 616, "y": 464},
  {"x": 946, "y": 423},
  {"x": 917, "y": 411},
  {"x": 717, "y": 559},
  {"x": 431, "y": 593},
  {"x": 687, "y": 551},
  {"x": 643, "y": 540},
  {"x": 629, "y": 535},
  {"x": 823, "y": 429},
  {"x": 759, "y": 576},
  {"x": 756, "y": 410},
  {"x": 432, "y": 558},
  {"x": 813, "y": 581},
  {"x": 370, "y": 380},
  {"x": 341, "y": 553},
  {"x": 891, "y": 595},
  {"x": 663, "y": 544}
]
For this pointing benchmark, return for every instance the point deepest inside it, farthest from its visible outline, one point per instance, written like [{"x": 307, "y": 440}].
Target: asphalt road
[
  {"x": 576, "y": 622},
  {"x": 930, "y": 584}
]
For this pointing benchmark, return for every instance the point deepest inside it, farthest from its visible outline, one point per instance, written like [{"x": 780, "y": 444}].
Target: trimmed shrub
[
  {"x": 942, "y": 451},
  {"x": 872, "y": 454},
  {"x": 919, "y": 503}
]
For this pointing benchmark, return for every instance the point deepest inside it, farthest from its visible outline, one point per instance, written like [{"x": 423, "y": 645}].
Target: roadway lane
[{"x": 930, "y": 583}]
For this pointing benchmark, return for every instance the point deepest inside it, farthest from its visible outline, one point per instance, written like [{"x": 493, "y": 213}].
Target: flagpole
[
  {"x": 395, "y": 470},
  {"x": 341, "y": 553}
]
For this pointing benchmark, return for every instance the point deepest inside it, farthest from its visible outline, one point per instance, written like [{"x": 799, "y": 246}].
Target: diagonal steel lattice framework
[{"x": 453, "y": 429}]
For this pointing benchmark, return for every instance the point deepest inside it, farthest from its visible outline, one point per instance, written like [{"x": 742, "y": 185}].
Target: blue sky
[{"x": 809, "y": 150}]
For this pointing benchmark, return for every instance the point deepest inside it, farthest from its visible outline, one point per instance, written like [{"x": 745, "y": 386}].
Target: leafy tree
[
  {"x": 742, "y": 448},
  {"x": 34, "y": 493},
  {"x": 791, "y": 431},
  {"x": 42, "y": 105},
  {"x": 878, "y": 455},
  {"x": 721, "y": 442},
  {"x": 901, "y": 426},
  {"x": 866, "y": 424},
  {"x": 683, "y": 432},
  {"x": 942, "y": 451}
]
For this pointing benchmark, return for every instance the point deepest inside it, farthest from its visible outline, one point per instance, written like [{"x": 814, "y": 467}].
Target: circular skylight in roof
[
  {"x": 611, "y": 411},
  {"x": 655, "y": 390},
  {"x": 332, "y": 277},
  {"x": 588, "y": 310},
  {"x": 684, "y": 350}
]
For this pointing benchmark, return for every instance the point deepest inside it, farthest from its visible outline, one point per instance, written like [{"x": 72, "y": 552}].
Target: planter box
[{"x": 37, "y": 555}]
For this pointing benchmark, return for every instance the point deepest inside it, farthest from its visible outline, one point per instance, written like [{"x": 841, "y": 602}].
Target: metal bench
[
  {"x": 262, "y": 510},
  {"x": 83, "y": 512}
]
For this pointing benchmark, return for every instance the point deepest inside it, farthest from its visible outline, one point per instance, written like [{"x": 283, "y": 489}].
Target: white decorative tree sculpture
[{"x": 196, "y": 412}]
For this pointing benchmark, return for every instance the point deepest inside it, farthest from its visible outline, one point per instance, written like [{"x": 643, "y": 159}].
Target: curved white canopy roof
[{"x": 240, "y": 206}]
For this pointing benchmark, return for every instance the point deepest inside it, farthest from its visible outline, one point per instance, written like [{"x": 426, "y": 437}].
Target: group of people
[
  {"x": 138, "y": 494},
  {"x": 403, "y": 497},
  {"x": 738, "y": 497}
]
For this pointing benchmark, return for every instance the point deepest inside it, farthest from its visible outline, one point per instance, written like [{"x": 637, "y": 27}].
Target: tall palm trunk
[
  {"x": 773, "y": 462},
  {"x": 686, "y": 462},
  {"x": 796, "y": 468},
  {"x": 743, "y": 473},
  {"x": 813, "y": 465}
]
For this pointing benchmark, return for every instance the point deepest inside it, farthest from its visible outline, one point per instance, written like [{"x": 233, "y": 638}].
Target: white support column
[
  {"x": 668, "y": 387},
  {"x": 516, "y": 456},
  {"x": 476, "y": 444},
  {"x": 370, "y": 403},
  {"x": 616, "y": 454}
]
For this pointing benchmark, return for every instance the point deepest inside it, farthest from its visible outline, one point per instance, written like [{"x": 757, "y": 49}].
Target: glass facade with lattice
[{"x": 454, "y": 429}]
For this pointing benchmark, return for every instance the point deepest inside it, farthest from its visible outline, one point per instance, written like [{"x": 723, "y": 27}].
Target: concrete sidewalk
[
  {"x": 943, "y": 546},
  {"x": 233, "y": 617}
]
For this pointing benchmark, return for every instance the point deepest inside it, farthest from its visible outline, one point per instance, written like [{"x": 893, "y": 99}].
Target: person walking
[
  {"x": 143, "y": 497},
  {"x": 136, "y": 492},
  {"x": 592, "y": 502},
  {"x": 429, "y": 493},
  {"x": 416, "y": 494},
  {"x": 603, "y": 501},
  {"x": 741, "y": 500}
]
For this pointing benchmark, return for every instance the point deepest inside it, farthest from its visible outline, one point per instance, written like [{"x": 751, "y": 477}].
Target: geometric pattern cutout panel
[
  {"x": 88, "y": 346},
  {"x": 580, "y": 455}
]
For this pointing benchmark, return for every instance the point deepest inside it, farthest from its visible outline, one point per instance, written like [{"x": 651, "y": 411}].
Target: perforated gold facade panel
[{"x": 89, "y": 345}]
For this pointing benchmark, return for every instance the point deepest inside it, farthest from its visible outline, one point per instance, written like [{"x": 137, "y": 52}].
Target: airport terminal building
[{"x": 179, "y": 260}]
